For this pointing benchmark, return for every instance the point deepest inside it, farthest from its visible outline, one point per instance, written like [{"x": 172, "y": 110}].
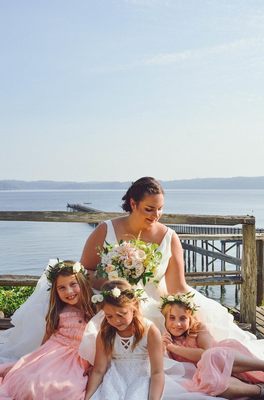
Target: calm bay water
[{"x": 26, "y": 247}]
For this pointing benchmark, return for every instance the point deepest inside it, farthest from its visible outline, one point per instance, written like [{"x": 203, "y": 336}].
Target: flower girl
[
  {"x": 224, "y": 368},
  {"x": 55, "y": 370},
  {"x": 132, "y": 345}
]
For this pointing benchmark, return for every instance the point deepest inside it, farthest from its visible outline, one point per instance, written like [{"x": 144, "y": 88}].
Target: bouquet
[{"x": 133, "y": 260}]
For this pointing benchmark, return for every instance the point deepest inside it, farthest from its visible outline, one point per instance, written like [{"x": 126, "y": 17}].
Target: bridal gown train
[{"x": 29, "y": 324}]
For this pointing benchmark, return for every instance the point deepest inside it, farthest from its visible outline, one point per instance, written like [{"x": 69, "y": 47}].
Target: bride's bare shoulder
[
  {"x": 119, "y": 222},
  {"x": 99, "y": 233},
  {"x": 161, "y": 227},
  {"x": 100, "y": 230},
  {"x": 97, "y": 236}
]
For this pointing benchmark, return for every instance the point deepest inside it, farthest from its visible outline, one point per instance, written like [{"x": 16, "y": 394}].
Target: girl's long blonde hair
[
  {"x": 56, "y": 305},
  {"x": 126, "y": 298}
]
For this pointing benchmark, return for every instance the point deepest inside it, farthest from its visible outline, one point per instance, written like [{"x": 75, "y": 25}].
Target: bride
[{"x": 143, "y": 201}]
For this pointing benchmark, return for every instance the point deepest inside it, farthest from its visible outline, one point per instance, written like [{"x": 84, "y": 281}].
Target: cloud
[
  {"x": 176, "y": 57},
  {"x": 188, "y": 55}
]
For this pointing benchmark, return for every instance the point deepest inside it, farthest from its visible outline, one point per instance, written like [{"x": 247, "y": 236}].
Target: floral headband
[
  {"x": 53, "y": 270},
  {"x": 116, "y": 293},
  {"x": 184, "y": 299}
]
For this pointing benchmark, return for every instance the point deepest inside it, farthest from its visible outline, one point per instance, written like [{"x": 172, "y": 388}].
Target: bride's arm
[
  {"x": 90, "y": 257},
  {"x": 175, "y": 276},
  {"x": 94, "y": 242}
]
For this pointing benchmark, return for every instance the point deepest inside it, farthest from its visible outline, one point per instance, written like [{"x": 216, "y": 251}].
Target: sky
[{"x": 106, "y": 90}]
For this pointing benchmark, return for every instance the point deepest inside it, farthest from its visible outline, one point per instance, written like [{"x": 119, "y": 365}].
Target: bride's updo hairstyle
[{"x": 143, "y": 186}]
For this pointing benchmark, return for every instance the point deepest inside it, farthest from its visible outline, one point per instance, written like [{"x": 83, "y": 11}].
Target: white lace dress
[{"x": 129, "y": 373}]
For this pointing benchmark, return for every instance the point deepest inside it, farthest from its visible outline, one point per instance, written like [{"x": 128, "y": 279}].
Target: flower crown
[
  {"x": 116, "y": 293},
  {"x": 53, "y": 270},
  {"x": 184, "y": 299}
]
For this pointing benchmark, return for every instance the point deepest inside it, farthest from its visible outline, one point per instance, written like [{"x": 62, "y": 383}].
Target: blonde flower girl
[
  {"x": 130, "y": 344},
  {"x": 224, "y": 368}
]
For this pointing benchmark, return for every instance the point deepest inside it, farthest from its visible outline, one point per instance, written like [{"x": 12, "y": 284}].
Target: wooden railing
[{"x": 249, "y": 271}]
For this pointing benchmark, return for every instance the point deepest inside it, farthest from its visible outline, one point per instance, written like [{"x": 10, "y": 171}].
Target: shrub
[{"x": 11, "y": 298}]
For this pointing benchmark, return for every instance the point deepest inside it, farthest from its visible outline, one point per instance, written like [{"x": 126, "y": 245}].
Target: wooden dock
[
  {"x": 245, "y": 326},
  {"x": 260, "y": 320},
  {"x": 82, "y": 208}
]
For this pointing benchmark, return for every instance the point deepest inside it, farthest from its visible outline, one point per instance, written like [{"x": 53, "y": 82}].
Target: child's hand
[
  {"x": 166, "y": 339},
  {"x": 172, "y": 347}
]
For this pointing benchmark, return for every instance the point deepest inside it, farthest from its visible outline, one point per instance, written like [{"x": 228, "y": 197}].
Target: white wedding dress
[{"x": 29, "y": 324}]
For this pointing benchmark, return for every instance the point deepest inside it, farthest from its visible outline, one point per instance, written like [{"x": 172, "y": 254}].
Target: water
[{"x": 26, "y": 247}]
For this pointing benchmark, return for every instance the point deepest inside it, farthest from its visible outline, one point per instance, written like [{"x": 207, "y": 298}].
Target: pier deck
[
  {"x": 82, "y": 208},
  {"x": 259, "y": 320}
]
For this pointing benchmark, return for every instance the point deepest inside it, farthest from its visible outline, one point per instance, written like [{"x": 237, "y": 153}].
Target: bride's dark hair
[{"x": 143, "y": 186}]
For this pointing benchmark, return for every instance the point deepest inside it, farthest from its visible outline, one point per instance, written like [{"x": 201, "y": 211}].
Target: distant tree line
[{"x": 199, "y": 183}]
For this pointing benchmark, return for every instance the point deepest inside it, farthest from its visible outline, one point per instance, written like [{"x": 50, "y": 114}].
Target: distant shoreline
[{"x": 199, "y": 183}]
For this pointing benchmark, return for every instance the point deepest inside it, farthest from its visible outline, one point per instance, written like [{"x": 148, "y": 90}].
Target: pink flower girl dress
[
  {"x": 54, "y": 370},
  {"x": 214, "y": 369}
]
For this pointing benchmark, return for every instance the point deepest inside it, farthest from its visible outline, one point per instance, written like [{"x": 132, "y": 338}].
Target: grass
[{"x": 11, "y": 298}]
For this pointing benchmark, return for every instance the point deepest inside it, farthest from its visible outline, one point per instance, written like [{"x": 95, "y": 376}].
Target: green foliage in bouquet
[{"x": 11, "y": 298}]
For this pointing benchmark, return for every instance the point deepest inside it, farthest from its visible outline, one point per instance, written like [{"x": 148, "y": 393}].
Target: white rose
[
  {"x": 116, "y": 292},
  {"x": 128, "y": 263},
  {"x": 139, "y": 269},
  {"x": 76, "y": 267},
  {"x": 112, "y": 275},
  {"x": 140, "y": 255},
  {"x": 106, "y": 258},
  {"x": 97, "y": 298},
  {"x": 170, "y": 298},
  {"x": 109, "y": 268}
]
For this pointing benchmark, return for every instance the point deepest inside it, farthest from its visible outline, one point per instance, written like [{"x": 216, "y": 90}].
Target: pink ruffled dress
[
  {"x": 54, "y": 370},
  {"x": 215, "y": 366}
]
